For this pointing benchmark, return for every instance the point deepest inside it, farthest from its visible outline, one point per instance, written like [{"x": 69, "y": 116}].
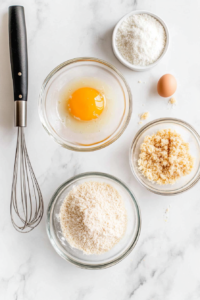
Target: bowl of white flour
[{"x": 140, "y": 40}]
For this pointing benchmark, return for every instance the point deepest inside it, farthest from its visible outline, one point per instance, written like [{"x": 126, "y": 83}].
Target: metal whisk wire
[{"x": 26, "y": 197}]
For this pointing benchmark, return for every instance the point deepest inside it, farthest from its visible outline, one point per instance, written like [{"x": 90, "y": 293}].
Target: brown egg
[{"x": 167, "y": 85}]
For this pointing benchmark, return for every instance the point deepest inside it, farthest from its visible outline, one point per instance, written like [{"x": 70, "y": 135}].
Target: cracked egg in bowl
[{"x": 85, "y": 104}]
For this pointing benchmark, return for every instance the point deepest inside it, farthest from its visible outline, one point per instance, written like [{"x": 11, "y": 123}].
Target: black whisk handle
[{"x": 18, "y": 52}]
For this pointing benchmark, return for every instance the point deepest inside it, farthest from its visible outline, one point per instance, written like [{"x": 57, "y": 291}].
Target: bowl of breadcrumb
[
  {"x": 93, "y": 221},
  {"x": 165, "y": 156}
]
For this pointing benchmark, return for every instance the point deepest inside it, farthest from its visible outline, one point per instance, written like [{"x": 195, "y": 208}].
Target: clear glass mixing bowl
[
  {"x": 188, "y": 134},
  {"x": 77, "y": 257},
  {"x": 74, "y": 70}
]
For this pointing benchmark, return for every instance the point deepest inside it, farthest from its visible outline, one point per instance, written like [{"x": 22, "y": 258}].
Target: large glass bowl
[
  {"x": 74, "y": 70},
  {"x": 188, "y": 134},
  {"x": 77, "y": 257}
]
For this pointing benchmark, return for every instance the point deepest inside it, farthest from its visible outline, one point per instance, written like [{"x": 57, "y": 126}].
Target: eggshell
[{"x": 167, "y": 85}]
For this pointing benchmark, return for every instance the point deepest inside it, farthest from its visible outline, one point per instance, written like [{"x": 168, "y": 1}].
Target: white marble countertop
[{"x": 165, "y": 263}]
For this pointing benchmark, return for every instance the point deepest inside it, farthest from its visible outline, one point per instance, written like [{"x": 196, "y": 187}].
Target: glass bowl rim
[
  {"x": 95, "y": 146},
  {"x": 180, "y": 122},
  {"x": 55, "y": 197}
]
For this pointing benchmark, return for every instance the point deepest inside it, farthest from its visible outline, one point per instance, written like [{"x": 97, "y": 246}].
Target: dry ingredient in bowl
[
  {"x": 93, "y": 217},
  {"x": 141, "y": 39},
  {"x": 164, "y": 157}
]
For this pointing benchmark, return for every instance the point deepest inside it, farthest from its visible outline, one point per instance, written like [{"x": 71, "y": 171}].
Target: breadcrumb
[
  {"x": 172, "y": 100},
  {"x": 144, "y": 116},
  {"x": 93, "y": 217},
  {"x": 164, "y": 157}
]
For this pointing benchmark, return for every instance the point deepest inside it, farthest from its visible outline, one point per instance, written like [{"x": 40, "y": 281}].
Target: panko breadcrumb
[
  {"x": 172, "y": 100},
  {"x": 144, "y": 116},
  {"x": 164, "y": 157}
]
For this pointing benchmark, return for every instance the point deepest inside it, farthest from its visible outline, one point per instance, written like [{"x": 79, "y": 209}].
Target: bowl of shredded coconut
[
  {"x": 165, "y": 156},
  {"x": 140, "y": 40},
  {"x": 93, "y": 220}
]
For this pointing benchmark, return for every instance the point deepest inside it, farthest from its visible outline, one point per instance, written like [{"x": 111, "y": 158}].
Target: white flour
[
  {"x": 141, "y": 39},
  {"x": 93, "y": 217}
]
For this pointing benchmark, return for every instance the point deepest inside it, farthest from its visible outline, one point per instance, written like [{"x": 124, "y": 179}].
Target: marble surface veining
[{"x": 166, "y": 261}]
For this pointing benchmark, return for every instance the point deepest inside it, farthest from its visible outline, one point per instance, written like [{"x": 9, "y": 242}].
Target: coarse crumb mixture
[
  {"x": 164, "y": 157},
  {"x": 93, "y": 217}
]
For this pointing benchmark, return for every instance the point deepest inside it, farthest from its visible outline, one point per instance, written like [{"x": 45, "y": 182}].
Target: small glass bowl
[
  {"x": 77, "y": 257},
  {"x": 188, "y": 134},
  {"x": 75, "y": 70}
]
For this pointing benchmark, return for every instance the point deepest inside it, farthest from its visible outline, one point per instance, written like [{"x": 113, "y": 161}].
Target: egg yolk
[{"x": 86, "y": 104}]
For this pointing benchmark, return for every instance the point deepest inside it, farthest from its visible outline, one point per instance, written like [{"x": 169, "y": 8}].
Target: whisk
[{"x": 26, "y": 206}]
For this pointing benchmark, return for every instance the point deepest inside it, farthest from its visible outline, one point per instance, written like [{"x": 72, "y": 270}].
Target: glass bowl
[
  {"x": 188, "y": 134},
  {"x": 77, "y": 257},
  {"x": 75, "y": 70}
]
